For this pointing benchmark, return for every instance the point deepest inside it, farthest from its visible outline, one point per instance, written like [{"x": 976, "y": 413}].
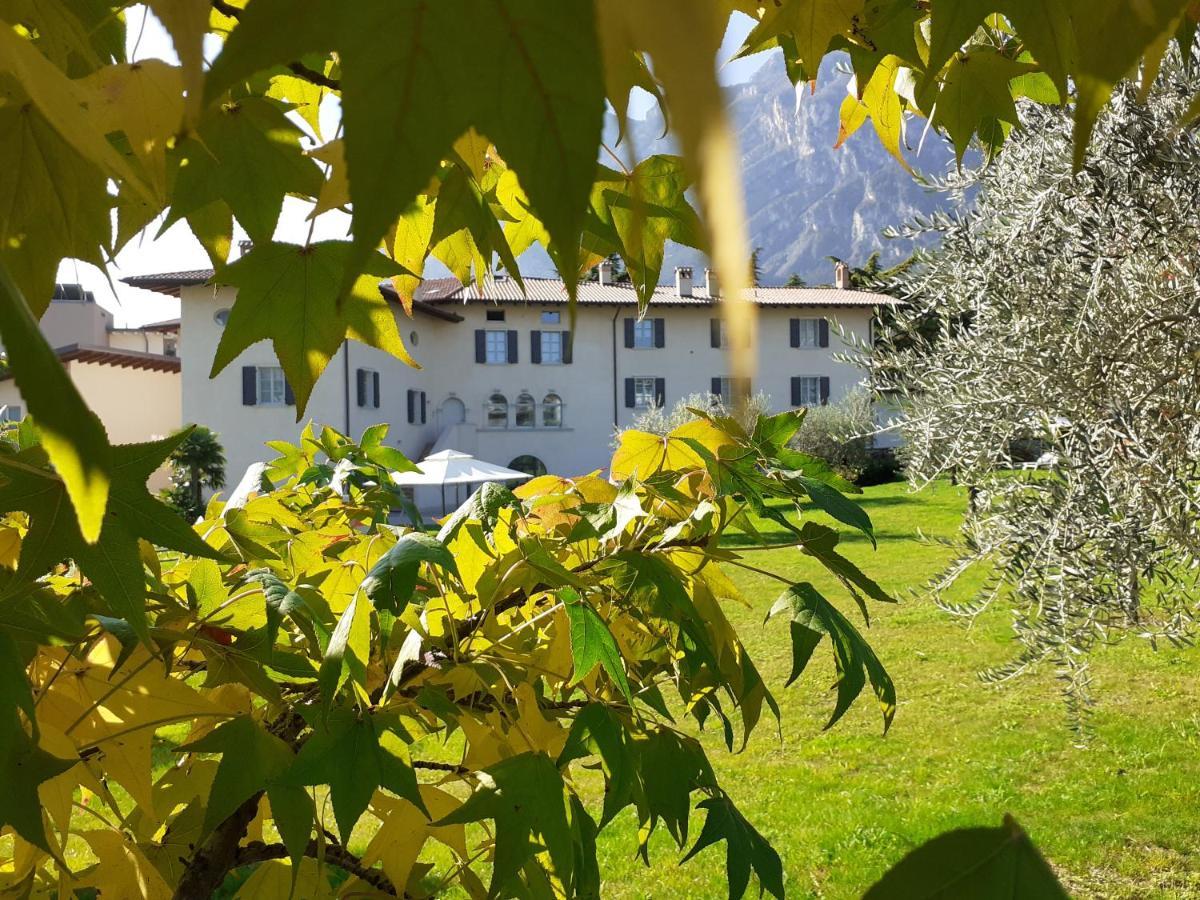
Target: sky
[{"x": 176, "y": 249}]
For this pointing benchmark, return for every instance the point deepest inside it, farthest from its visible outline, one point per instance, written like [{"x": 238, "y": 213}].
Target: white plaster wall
[{"x": 141, "y": 341}]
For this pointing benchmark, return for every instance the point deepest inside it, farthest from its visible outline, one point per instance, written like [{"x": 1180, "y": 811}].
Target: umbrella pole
[{"x": 443, "y": 498}]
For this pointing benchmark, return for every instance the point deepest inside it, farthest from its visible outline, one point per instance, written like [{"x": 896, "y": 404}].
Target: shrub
[
  {"x": 197, "y": 463},
  {"x": 840, "y": 434}
]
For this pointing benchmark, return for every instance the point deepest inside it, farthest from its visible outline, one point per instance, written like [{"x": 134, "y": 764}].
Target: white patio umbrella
[{"x": 455, "y": 467}]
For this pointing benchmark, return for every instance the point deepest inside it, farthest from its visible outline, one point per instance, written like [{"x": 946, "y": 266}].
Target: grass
[{"x": 1116, "y": 817}]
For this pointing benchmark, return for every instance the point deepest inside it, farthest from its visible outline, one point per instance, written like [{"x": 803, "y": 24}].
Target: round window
[
  {"x": 221, "y": 316},
  {"x": 413, "y": 338}
]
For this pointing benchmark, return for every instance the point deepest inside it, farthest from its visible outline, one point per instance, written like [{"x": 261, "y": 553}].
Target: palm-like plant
[{"x": 197, "y": 463}]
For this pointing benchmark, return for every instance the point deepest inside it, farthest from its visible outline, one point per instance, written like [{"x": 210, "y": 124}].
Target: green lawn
[{"x": 1117, "y": 818}]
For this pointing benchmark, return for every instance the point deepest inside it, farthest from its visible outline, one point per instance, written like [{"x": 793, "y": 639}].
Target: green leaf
[
  {"x": 349, "y": 649},
  {"x": 391, "y": 581},
  {"x": 816, "y": 468},
  {"x": 745, "y": 848},
  {"x": 288, "y": 294},
  {"x": 592, "y": 643},
  {"x": 1110, "y": 38},
  {"x": 54, "y": 200},
  {"x": 813, "y": 616},
  {"x": 400, "y": 64},
  {"x": 818, "y": 542},
  {"x": 977, "y": 98},
  {"x": 524, "y": 795},
  {"x": 113, "y": 563},
  {"x": 24, "y": 766},
  {"x": 832, "y": 502},
  {"x": 972, "y": 864},
  {"x": 414, "y": 79},
  {"x": 251, "y": 758},
  {"x": 597, "y": 731},
  {"x": 344, "y": 752},
  {"x": 71, "y": 433},
  {"x": 809, "y": 24},
  {"x": 1046, "y": 30},
  {"x": 246, "y": 154},
  {"x": 951, "y": 23},
  {"x": 484, "y": 507},
  {"x": 636, "y": 213}
]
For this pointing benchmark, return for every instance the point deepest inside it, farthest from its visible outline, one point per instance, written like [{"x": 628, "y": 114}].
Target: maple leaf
[
  {"x": 54, "y": 200},
  {"x": 246, "y": 154},
  {"x": 113, "y": 563},
  {"x": 414, "y": 79},
  {"x": 524, "y": 795},
  {"x": 289, "y": 294},
  {"x": 24, "y": 766}
]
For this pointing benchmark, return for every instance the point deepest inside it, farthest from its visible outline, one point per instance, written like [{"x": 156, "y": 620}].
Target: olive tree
[{"x": 1063, "y": 309}]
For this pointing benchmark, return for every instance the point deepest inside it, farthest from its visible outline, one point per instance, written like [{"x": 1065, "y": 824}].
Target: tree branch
[
  {"x": 333, "y": 853},
  {"x": 208, "y": 866}
]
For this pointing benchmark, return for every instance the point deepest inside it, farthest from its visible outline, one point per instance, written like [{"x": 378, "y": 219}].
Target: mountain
[{"x": 805, "y": 200}]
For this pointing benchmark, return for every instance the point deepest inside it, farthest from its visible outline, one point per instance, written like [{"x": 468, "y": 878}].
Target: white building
[
  {"x": 130, "y": 377},
  {"x": 502, "y": 378}
]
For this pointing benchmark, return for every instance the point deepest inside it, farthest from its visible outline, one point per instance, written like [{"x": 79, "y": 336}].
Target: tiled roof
[
  {"x": 130, "y": 359},
  {"x": 436, "y": 292},
  {"x": 592, "y": 293},
  {"x": 170, "y": 283}
]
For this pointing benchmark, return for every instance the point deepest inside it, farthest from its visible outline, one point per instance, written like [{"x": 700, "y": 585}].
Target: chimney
[
  {"x": 683, "y": 281},
  {"x": 841, "y": 276},
  {"x": 711, "y": 285},
  {"x": 245, "y": 247},
  {"x": 605, "y": 270}
]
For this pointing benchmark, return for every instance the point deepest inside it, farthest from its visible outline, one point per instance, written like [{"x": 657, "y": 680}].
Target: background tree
[
  {"x": 196, "y": 464},
  {"x": 1066, "y": 306},
  {"x": 796, "y": 281}
]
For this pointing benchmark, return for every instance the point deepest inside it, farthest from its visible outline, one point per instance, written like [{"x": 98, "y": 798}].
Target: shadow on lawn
[{"x": 846, "y": 537}]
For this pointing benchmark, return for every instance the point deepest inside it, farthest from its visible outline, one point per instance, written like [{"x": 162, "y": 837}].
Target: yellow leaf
[
  {"x": 883, "y": 104},
  {"x": 410, "y": 244},
  {"x": 304, "y": 95},
  {"x": 10, "y": 547},
  {"x": 405, "y": 829},
  {"x": 144, "y": 100},
  {"x": 335, "y": 190},
  {"x": 851, "y": 116},
  {"x": 123, "y": 870},
  {"x": 61, "y": 101}
]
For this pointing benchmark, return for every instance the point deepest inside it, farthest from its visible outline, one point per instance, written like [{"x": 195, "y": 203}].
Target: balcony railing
[{"x": 535, "y": 417}]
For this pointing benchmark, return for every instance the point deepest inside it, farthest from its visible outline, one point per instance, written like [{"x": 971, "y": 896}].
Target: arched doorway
[
  {"x": 528, "y": 464},
  {"x": 453, "y": 412}
]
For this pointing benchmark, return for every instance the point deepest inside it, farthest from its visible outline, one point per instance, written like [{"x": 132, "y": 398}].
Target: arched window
[
  {"x": 525, "y": 409},
  {"x": 552, "y": 412},
  {"x": 530, "y": 465},
  {"x": 497, "y": 411}
]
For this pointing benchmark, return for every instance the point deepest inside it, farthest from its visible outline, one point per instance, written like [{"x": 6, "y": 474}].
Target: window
[
  {"x": 731, "y": 389},
  {"x": 552, "y": 411},
  {"x": 525, "y": 410},
  {"x": 806, "y": 390},
  {"x": 806, "y": 333},
  {"x": 170, "y": 346},
  {"x": 552, "y": 347},
  {"x": 272, "y": 387},
  {"x": 718, "y": 337},
  {"x": 417, "y": 407},
  {"x": 497, "y": 411},
  {"x": 495, "y": 315},
  {"x": 497, "y": 346},
  {"x": 221, "y": 316},
  {"x": 643, "y": 334},
  {"x": 643, "y": 392},
  {"x": 530, "y": 465},
  {"x": 368, "y": 388},
  {"x": 551, "y": 317},
  {"x": 10, "y": 413}
]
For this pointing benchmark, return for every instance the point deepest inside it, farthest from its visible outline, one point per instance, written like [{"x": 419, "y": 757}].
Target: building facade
[
  {"x": 506, "y": 376},
  {"x": 130, "y": 377}
]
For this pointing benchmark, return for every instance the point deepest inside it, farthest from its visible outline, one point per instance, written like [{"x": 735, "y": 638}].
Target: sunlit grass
[{"x": 1116, "y": 817}]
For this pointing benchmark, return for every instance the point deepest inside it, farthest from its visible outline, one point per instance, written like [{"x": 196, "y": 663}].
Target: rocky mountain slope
[{"x": 807, "y": 201}]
